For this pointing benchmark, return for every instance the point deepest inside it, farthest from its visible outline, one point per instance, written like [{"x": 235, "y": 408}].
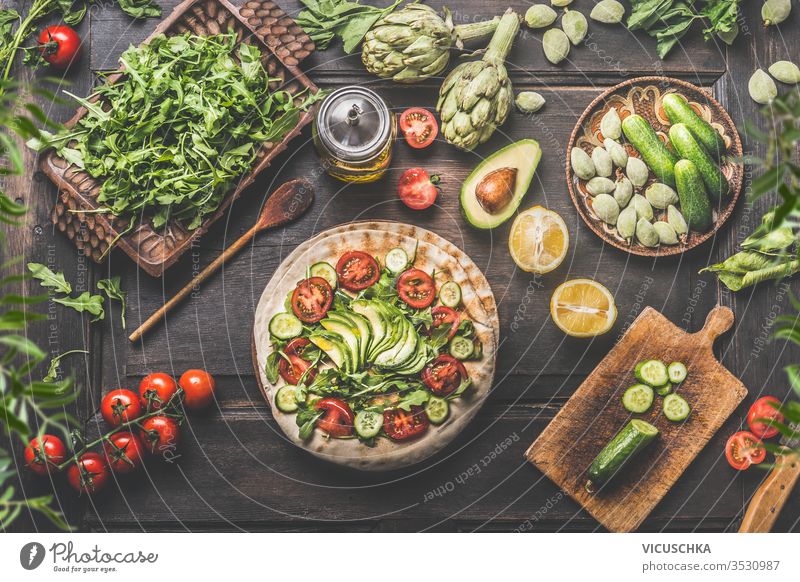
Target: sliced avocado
[
  {"x": 333, "y": 348},
  {"x": 348, "y": 334},
  {"x": 522, "y": 158}
]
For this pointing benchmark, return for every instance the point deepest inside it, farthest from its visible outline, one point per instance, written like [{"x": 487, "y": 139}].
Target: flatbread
[{"x": 433, "y": 252}]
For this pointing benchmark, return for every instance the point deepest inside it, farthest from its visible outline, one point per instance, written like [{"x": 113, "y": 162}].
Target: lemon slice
[
  {"x": 539, "y": 240},
  {"x": 583, "y": 308}
]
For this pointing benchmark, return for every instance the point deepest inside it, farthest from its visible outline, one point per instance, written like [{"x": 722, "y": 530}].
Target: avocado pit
[{"x": 496, "y": 190}]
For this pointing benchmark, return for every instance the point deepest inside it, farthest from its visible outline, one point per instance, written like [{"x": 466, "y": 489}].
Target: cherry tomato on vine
[
  {"x": 160, "y": 433},
  {"x": 744, "y": 449},
  {"x": 59, "y": 45},
  {"x": 198, "y": 387},
  {"x": 155, "y": 390},
  {"x": 89, "y": 475},
  {"x": 419, "y": 127},
  {"x": 43, "y": 454},
  {"x": 123, "y": 451},
  {"x": 121, "y": 405},
  {"x": 337, "y": 419},
  {"x": 763, "y": 409}
]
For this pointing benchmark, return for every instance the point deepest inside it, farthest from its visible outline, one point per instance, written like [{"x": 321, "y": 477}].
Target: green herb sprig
[{"x": 325, "y": 20}]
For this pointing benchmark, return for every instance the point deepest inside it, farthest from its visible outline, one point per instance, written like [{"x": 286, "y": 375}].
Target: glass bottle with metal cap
[{"x": 354, "y": 132}]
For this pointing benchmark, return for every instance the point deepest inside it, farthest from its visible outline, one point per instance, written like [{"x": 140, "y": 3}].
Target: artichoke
[
  {"x": 476, "y": 96},
  {"x": 414, "y": 43}
]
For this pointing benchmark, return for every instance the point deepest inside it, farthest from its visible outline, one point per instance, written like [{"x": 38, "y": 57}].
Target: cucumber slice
[
  {"x": 368, "y": 423},
  {"x": 461, "y": 348},
  {"x": 396, "y": 260},
  {"x": 664, "y": 390},
  {"x": 285, "y": 326},
  {"x": 326, "y": 271},
  {"x": 651, "y": 372},
  {"x": 677, "y": 372},
  {"x": 286, "y": 399},
  {"x": 437, "y": 410},
  {"x": 676, "y": 408},
  {"x": 450, "y": 294},
  {"x": 638, "y": 398}
]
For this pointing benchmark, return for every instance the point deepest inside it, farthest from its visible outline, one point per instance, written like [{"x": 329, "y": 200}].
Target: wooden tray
[
  {"x": 643, "y": 95},
  {"x": 594, "y": 414},
  {"x": 283, "y": 44}
]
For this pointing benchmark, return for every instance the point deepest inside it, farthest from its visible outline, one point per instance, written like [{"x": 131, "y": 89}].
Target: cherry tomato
[
  {"x": 292, "y": 371},
  {"x": 120, "y": 406},
  {"x": 337, "y": 420},
  {"x": 444, "y": 375},
  {"x": 418, "y": 189},
  {"x": 744, "y": 449},
  {"x": 198, "y": 387},
  {"x": 59, "y": 45},
  {"x": 123, "y": 452},
  {"x": 89, "y": 475},
  {"x": 762, "y": 408},
  {"x": 160, "y": 433},
  {"x": 357, "y": 270},
  {"x": 446, "y": 316},
  {"x": 311, "y": 299},
  {"x": 419, "y": 127},
  {"x": 43, "y": 454},
  {"x": 416, "y": 288},
  {"x": 400, "y": 425},
  {"x": 155, "y": 390}
]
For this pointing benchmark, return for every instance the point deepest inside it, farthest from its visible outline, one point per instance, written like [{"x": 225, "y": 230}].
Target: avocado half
[{"x": 524, "y": 156}]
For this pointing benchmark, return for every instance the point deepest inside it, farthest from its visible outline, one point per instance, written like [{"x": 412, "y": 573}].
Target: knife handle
[{"x": 768, "y": 500}]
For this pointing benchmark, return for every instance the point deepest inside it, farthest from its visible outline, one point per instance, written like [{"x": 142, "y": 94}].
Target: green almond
[{"x": 785, "y": 72}]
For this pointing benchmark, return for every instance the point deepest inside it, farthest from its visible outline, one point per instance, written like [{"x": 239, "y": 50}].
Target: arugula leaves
[
  {"x": 55, "y": 362},
  {"x": 325, "y": 20},
  {"x": 49, "y": 279},
  {"x": 111, "y": 287},
  {"x": 92, "y": 304},
  {"x": 184, "y": 124}
]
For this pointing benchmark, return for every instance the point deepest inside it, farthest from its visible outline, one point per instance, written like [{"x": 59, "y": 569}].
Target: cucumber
[
  {"x": 676, "y": 408},
  {"x": 285, "y": 326},
  {"x": 286, "y": 399},
  {"x": 664, "y": 390},
  {"x": 625, "y": 445},
  {"x": 678, "y": 110},
  {"x": 368, "y": 423},
  {"x": 437, "y": 410},
  {"x": 654, "y": 152},
  {"x": 450, "y": 294},
  {"x": 396, "y": 260},
  {"x": 461, "y": 348},
  {"x": 686, "y": 145},
  {"x": 695, "y": 205},
  {"x": 677, "y": 372},
  {"x": 651, "y": 372},
  {"x": 326, "y": 271},
  {"x": 638, "y": 398}
]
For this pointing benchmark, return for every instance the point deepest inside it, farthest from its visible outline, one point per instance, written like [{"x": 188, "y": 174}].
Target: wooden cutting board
[{"x": 594, "y": 414}]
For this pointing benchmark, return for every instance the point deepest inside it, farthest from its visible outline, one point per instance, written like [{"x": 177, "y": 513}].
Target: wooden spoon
[{"x": 286, "y": 204}]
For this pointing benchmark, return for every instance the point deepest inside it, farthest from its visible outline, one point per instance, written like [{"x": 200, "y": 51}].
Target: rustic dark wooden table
[{"x": 236, "y": 472}]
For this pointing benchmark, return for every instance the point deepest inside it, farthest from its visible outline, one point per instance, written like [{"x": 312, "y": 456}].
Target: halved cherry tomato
[
  {"x": 400, "y": 425},
  {"x": 155, "y": 390},
  {"x": 160, "y": 433},
  {"x": 292, "y": 371},
  {"x": 59, "y": 45},
  {"x": 43, "y": 454},
  {"x": 120, "y": 406},
  {"x": 446, "y": 316},
  {"x": 763, "y": 408},
  {"x": 89, "y": 474},
  {"x": 123, "y": 452},
  {"x": 419, "y": 127},
  {"x": 418, "y": 189},
  {"x": 357, "y": 270},
  {"x": 416, "y": 288},
  {"x": 744, "y": 449},
  {"x": 444, "y": 375},
  {"x": 311, "y": 299},
  {"x": 337, "y": 419}
]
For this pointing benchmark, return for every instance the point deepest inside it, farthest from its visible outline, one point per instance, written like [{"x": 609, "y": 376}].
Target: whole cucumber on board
[
  {"x": 678, "y": 110},
  {"x": 625, "y": 445},
  {"x": 695, "y": 205},
  {"x": 654, "y": 152},
  {"x": 689, "y": 149}
]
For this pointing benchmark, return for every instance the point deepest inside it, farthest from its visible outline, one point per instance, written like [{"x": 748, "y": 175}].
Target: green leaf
[
  {"x": 140, "y": 8},
  {"x": 23, "y": 346},
  {"x": 48, "y": 278},
  {"x": 112, "y": 288},
  {"x": 52, "y": 370},
  {"x": 92, "y": 304}
]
